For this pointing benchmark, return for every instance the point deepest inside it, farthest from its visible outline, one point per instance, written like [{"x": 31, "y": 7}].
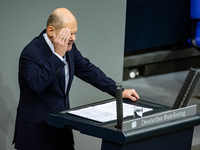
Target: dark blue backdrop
[{"x": 155, "y": 23}]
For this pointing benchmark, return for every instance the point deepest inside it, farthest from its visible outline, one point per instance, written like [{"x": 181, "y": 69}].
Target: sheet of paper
[{"x": 105, "y": 112}]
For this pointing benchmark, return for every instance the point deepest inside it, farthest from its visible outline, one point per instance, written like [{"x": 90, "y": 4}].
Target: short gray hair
[{"x": 54, "y": 21}]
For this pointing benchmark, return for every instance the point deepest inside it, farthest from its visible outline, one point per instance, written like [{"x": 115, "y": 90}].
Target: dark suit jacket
[{"x": 42, "y": 84}]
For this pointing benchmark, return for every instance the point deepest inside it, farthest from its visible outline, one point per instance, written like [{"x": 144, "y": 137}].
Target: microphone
[{"x": 119, "y": 104}]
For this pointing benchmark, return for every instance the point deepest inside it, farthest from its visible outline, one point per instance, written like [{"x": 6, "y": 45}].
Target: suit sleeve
[
  {"x": 88, "y": 72},
  {"x": 37, "y": 72}
]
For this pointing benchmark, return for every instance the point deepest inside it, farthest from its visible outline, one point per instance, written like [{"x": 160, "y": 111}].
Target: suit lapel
[
  {"x": 61, "y": 78},
  {"x": 70, "y": 64}
]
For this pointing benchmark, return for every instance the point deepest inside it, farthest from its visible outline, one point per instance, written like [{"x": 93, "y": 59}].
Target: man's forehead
[{"x": 71, "y": 25}]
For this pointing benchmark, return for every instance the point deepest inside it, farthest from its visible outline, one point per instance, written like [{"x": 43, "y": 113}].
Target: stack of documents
[{"x": 105, "y": 112}]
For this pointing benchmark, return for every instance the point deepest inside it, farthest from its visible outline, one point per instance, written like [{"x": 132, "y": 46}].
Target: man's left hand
[{"x": 130, "y": 94}]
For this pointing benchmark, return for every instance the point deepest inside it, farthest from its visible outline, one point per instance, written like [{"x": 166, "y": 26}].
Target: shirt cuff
[{"x": 61, "y": 58}]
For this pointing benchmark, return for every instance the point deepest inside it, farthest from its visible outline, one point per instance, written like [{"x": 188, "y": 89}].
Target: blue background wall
[{"x": 155, "y": 23}]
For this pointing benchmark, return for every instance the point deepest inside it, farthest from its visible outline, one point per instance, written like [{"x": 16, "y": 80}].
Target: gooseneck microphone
[{"x": 119, "y": 104}]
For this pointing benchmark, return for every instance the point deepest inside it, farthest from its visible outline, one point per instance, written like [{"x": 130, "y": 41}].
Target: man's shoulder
[
  {"x": 33, "y": 46},
  {"x": 36, "y": 44}
]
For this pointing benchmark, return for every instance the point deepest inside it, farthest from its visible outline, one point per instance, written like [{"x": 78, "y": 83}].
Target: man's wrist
[{"x": 61, "y": 58}]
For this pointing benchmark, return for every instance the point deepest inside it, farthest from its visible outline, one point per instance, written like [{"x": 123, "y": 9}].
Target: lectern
[{"x": 158, "y": 129}]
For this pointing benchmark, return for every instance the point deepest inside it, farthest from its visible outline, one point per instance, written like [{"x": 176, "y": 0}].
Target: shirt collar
[{"x": 48, "y": 42}]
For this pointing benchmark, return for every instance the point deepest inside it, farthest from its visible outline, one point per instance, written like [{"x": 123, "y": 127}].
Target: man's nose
[{"x": 73, "y": 37}]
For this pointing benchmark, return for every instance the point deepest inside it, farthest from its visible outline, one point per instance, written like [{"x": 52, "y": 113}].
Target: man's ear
[{"x": 50, "y": 31}]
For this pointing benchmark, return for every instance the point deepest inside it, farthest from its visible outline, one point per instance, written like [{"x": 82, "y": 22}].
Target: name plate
[{"x": 159, "y": 118}]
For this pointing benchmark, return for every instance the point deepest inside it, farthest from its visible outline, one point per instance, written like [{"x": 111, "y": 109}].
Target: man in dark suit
[{"x": 47, "y": 66}]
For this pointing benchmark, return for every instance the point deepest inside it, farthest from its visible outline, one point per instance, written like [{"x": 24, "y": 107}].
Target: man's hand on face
[{"x": 60, "y": 41}]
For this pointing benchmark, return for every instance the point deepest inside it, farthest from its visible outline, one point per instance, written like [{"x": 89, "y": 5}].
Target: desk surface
[{"x": 107, "y": 130}]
